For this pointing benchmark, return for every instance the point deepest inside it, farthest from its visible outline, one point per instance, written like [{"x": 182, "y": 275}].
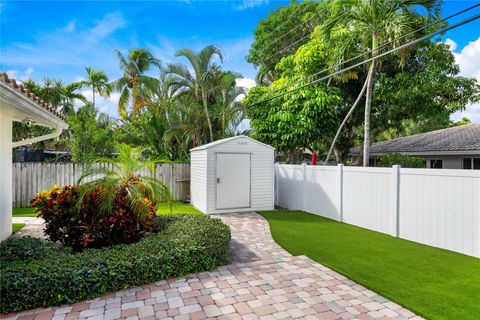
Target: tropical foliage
[
  {"x": 414, "y": 89},
  {"x": 184, "y": 106},
  {"x": 48, "y": 275},
  {"x": 118, "y": 207},
  {"x": 406, "y": 161},
  {"x": 166, "y": 109}
]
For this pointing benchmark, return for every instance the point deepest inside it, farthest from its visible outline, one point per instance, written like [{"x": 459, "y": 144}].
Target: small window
[
  {"x": 372, "y": 162},
  {"x": 476, "y": 163},
  {"x": 467, "y": 163},
  {"x": 436, "y": 164}
]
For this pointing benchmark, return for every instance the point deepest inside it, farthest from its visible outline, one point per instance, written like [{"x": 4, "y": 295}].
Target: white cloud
[
  {"x": 452, "y": 44},
  {"x": 62, "y": 46},
  {"x": 469, "y": 61},
  {"x": 248, "y": 4},
  {"x": 108, "y": 105},
  {"x": 246, "y": 83},
  {"x": 18, "y": 75},
  {"x": 71, "y": 26}
]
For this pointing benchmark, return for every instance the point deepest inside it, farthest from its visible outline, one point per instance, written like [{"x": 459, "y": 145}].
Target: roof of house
[
  {"x": 222, "y": 141},
  {"x": 454, "y": 139},
  {"x": 30, "y": 95}
]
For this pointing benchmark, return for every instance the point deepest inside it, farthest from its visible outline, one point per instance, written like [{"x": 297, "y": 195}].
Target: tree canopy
[{"x": 419, "y": 86}]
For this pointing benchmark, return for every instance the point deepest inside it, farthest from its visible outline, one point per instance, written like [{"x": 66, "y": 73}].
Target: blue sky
[{"x": 60, "y": 38}]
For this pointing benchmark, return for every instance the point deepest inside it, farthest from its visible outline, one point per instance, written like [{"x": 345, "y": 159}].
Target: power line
[
  {"x": 282, "y": 36},
  {"x": 301, "y": 10},
  {"x": 408, "y": 44},
  {"x": 384, "y": 45}
]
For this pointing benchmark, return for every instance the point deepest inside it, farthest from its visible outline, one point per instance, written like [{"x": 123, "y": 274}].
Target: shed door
[{"x": 233, "y": 180}]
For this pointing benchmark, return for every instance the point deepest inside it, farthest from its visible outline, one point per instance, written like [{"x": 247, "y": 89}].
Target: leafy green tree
[
  {"x": 146, "y": 131},
  {"x": 461, "y": 122},
  {"x": 302, "y": 119},
  {"x": 403, "y": 160},
  {"x": 372, "y": 23},
  {"x": 134, "y": 85},
  {"x": 421, "y": 96},
  {"x": 281, "y": 34},
  {"x": 92, "y": 134},
  {"x": 98, "y": 81}
]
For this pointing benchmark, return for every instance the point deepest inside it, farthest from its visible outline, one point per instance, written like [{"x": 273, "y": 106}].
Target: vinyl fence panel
[
  {"x": 440, "y": 208},
  {"x": 29, "y": 178}
]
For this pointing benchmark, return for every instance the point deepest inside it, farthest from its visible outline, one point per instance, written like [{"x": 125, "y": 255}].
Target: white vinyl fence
[
  {"x": 437, "y": 207},
  {"x": 30, "y": 178}
]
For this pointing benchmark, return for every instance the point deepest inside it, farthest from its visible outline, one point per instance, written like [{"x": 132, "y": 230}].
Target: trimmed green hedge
[{"x": 186, "y": 243}]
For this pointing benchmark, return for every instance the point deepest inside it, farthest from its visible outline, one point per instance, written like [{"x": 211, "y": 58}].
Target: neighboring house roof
[
  {"x": 30, "y": 95},
  {"x": 222, "y": 141},
  {"x": 455, "y": 140}
]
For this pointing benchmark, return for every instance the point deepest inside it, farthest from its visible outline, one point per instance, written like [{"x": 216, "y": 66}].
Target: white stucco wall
[
  {"x": 449, "y": 162},
  {"x": 5, "y": 175}
]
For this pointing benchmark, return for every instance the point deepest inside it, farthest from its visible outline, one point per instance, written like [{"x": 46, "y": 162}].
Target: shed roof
[
  {"x": 30, "y": 95},
  {"x": 456, "y": 139},
  {"x": 222, "y": 141}
]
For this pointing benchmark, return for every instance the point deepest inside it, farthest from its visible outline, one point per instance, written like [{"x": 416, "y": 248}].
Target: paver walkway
[
  {"x": 33, "y": 227},
  {"x": 262, "y": 282}
]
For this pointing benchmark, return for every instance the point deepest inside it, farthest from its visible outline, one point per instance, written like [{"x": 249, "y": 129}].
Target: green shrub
[
  {"x": 88, "y": 226},
  {"x": 403, "y": 160},
  {"x": 27, "y": 248},
  {"x": 186, "y": 244}
]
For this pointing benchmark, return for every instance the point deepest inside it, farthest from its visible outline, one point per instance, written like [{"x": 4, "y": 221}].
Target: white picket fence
[
  {"x": 437, "y": 207},
  {"x": 30, "y": 178}
]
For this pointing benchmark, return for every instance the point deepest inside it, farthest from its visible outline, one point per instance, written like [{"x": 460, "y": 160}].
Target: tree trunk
[
  {"x": 93, "y": 90},
  {"x": 338, "y": 155},
  {"x": 207, "y": 114},
  {"x": 368, "y": 104},
  {"x": 345, "y": 120}
]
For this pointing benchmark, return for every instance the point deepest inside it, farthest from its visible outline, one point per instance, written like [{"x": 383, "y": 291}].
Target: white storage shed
[{"x": 232, "y": 175}]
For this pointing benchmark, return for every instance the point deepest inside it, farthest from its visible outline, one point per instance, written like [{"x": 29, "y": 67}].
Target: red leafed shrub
[{"x": 88, "y": 226}]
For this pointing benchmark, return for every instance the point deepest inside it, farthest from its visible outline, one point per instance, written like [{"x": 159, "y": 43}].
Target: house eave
[
  {"x": 428, "y": 153},
  {"x": 23, "y": 109}
]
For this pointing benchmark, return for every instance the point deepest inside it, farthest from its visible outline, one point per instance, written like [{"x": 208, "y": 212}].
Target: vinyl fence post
[
  {"x": 340, "y": 192},
  {"x": 395, "y": 210},
  {"x": 304, "y": 186},
  {"x": 276, "y": 184}
]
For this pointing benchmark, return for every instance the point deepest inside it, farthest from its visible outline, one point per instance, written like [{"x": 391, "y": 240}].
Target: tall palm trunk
[
  {"x": 224, "y": 105},
  {"x": 359, "y": 97},
  {"x": 368, "y": 104},
  {"x": 207, "y": 114},
  {"x": 93, "y": 90}
]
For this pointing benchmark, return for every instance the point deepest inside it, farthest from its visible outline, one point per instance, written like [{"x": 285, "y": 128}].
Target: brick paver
[{"x": 263, "y": 281}]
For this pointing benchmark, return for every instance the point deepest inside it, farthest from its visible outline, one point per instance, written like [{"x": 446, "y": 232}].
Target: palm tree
[
  {"x": 98, "y": 81},
  {"x": 121, "y": 174},
  {"x": 229, "y": 109},
  {"x": 200, "y": 83},
  {"x": 371, "y": 22},
  {"x": 134, "y": 85},
  {"x": 69, "y": 95}
]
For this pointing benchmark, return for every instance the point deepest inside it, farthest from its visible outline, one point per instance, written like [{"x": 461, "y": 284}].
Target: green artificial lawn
[
  {"x": 434, "y": 283},
  {"x": 177, "y": 207},
  {"x": 24, "y": 212},
  {"x": 17, "y": 226}
]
